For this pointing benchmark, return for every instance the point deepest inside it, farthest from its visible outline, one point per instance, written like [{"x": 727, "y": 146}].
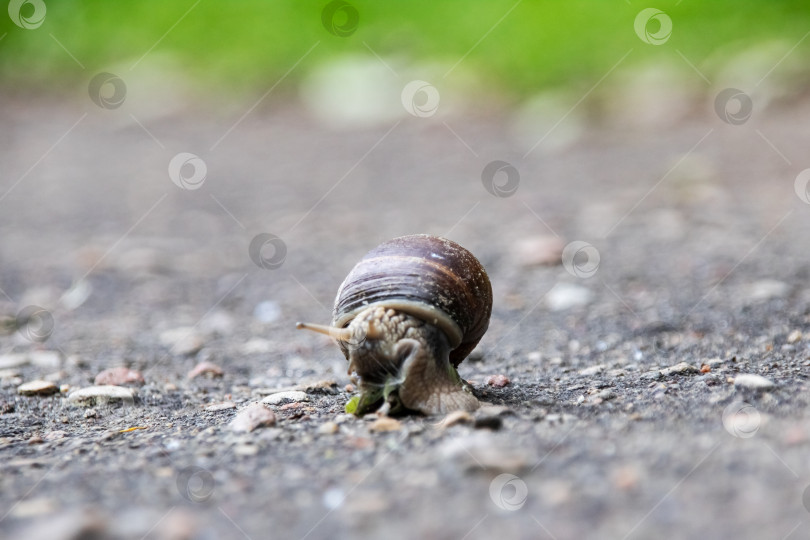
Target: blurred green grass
[{"x": 250, "y": 44}]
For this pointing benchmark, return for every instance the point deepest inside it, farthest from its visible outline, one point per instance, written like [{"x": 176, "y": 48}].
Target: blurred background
[
  {"x": 346, "y": 123},
  {"x": 512, "y": 50}
]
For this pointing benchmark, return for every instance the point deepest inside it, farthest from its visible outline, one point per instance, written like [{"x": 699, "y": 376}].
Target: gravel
[{"x": 610, "y": 426}]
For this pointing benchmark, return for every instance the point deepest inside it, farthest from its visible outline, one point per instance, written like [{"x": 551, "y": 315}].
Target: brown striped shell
[{"x": 429, "y": 277}]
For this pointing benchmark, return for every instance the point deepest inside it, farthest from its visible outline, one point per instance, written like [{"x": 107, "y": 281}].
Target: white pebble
[
  {"x": 328, "y": 428},
  {"x": 76, "y": 295},
  {"x": 285, "y": 397},
  {"x": 333, "y": 498},
  {"x": 565, "y": 296},
  {"x": 9, "y": 361},
  {"x": 90, "y": 395},
  {"x": 45, "y": 359},
  {"x": 753, "y": 381},
  {"x": 766, "y": 289},
  {"x": 267, "y": 312}
]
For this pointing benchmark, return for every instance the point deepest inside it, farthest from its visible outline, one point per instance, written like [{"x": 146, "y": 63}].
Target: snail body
[{"x": 405, "y": 317}]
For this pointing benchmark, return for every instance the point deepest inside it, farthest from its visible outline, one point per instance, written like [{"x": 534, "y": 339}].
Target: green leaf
[{"x": 351, "y": 406}]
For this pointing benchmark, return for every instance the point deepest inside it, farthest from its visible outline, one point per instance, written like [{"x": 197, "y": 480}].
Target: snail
[{"x": 405, "y": 317}]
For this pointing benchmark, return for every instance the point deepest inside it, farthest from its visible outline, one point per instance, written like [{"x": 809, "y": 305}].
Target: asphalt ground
[{"x": 625, "y": 415}]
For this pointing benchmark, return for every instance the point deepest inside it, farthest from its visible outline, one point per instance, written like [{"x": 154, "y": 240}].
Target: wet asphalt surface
[{"x": 701, "y": 239}]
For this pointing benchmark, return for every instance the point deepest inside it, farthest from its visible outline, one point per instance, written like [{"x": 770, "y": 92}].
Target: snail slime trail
[{"x": 408, "y": 313}]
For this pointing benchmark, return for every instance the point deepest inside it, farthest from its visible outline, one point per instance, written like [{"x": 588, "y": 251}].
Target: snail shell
[
  {"x": 431, "y": 278},
  {"x": 405, "y": 317}
]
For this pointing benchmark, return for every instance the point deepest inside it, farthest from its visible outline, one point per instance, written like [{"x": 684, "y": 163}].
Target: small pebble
[
  {"x": 795, "y": 435},
  {"x": 752, "y": 381},
  {"x": 55, "y": 376},
  {"x": 267, "y": 312},
  {"x": 605, "y": 394},
  {"x": 767, "y": 289},
  {"x": 179, "y": 524},
  {"x": 592, "y": 370},
  {"x": 681, "y": 368},
  {"x": 224, "y": 406},
  {"x": 37, "y": 388},
  {"x": 119, "y": 376},
  {"x": 293, "y": 406},
  {"x": 385, "y": 423},
  {"x": 209, "y": 369},
  {"x": 91, "y": 395},
  {"x": 497, "y": 381},
  {"x": 321, "y": 387},
  {"x": 794, "y": 336},
  {"x": 183, "y": 341},
  {"x": 285, "y": 397},
  {"x": 9, "y": 374},
  {"x": 566, "y": 295},
  {"x": 76, "y": 295},
  {"x": 251, "y": 417},
  {"x": 188, "y": 346},
  {"x": 333, "y": 498},
  {"x": 267, "y": 391},
  {"x": 10, "y": 361},
  {"x": 50, "y": 528},
  {"x": 456, "y": 417},
  {"x": 483, "y": 449},
  {"x": 328, "y": 428},
  {"x": 349, "y": 388},
  {"x": 245, "y": 449},
  {"x": 45, "y": 359},
  {"x": 625, "y": 478},
  {"x": 55, "y": 435},
  {"x": 256, "y": 345},
  {"x": 539, "y": 250},
  {"x": 366, "y": 504},
  {"x": 218, "y": 322}
]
